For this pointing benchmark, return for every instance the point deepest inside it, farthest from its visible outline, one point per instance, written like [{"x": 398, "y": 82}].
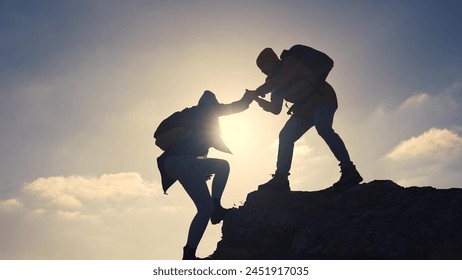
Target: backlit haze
[{"x": 84, "y": 84}]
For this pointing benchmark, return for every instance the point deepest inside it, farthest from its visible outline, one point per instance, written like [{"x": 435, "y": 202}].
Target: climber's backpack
[
  {"x": 173, "y": 129},
  {"x": 318, "y": 62}
]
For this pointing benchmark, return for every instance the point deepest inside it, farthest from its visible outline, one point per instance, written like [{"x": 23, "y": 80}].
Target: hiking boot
[
  {"x": 279, "y": 182},
  {"x": 189, "y": 253},
  {"x": 350, "y": 176},
  {"x": 219, "y": 213}
]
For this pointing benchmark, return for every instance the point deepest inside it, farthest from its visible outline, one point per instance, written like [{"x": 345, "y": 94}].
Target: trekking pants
[
  {"x": 191, "y": 173},
  {"x": 321, "y": 117}
]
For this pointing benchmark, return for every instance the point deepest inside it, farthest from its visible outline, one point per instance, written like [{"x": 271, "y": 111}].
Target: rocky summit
[{"x": 375, "y": 220}]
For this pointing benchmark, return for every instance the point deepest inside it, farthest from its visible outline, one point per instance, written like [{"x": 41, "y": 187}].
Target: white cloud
[
  {"x": 114, "y": 216},
  {"x": 301, "y": 148},
  {"x": 416, "y": 142},
  {"x": 443, "y": 105},
  {"x": 10, "y": 204},
  {"x": 313, "y": 165},
  {"x": 435, "y": 143},
  {"x": 67, "y": 201},
  {"x": 68, "y": 191},
  {"x": 88, "y": 197},
  {"x": 414, "y": 100}
]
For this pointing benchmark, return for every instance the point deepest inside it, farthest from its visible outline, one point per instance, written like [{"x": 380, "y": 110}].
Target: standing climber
[{"x": 299, "y": 77}]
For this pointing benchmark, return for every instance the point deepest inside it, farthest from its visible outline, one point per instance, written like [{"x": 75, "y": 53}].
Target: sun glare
[{"x": 237, "y": 132}]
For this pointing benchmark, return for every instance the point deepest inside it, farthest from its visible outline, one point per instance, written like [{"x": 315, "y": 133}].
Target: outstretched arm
[
  {"x": 273, "y": 106},
  {"x": 236, "y": 106}
]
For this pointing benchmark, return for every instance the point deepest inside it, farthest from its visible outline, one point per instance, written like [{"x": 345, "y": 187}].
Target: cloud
[
  {"x": 67, "y": 201},
  {"x": 414, "y": 100},
  {"x": 10, "y": 204},
  {"x": 444, "y": 104},
  {"x": 301, "y": 148},
  {"x": 313, "y": 164},
  {"x": 84, "y": 197},
  {"x": 435, "y": 143},
  {"x": 69, "y": 191},
  {"x": 113, "y": 216},
  {"x": 416, "y": 142}
]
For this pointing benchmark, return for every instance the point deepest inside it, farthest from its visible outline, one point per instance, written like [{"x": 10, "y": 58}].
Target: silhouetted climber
[
  {"x": 186, "y": 137},
  {"x": 299, "y": 77}
]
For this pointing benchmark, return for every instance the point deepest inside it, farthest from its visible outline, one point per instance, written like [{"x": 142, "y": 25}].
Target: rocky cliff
[{"x": 376, "y": 220}]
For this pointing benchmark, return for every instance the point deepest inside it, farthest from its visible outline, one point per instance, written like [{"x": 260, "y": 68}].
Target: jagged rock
[{"x": 376, "y": 220}]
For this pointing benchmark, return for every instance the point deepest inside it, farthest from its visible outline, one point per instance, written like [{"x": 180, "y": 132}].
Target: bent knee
[{"x": 223, "y": 166}]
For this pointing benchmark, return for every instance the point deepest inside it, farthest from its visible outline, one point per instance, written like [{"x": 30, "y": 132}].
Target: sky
[{"x": 84, "y": 84}]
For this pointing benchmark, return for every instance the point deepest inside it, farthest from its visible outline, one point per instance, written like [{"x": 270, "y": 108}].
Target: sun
[{"x": 237, "y": 132}]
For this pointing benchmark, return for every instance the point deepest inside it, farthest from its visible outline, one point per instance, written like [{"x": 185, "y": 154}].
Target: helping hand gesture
[{"x": 249, "y": 96}]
